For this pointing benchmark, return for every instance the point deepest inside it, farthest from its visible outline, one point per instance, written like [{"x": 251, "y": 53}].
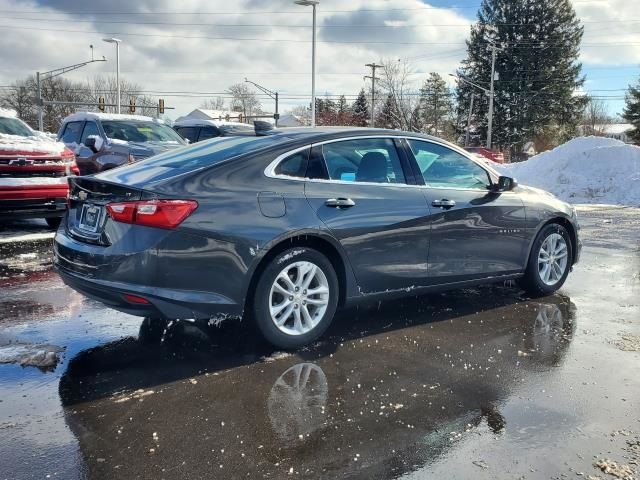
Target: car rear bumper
[
  {"x": 33, "y": 200},
  {"x": 164, "y": 302}
]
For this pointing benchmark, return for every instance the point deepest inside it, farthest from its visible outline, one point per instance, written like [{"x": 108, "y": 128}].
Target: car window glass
[
  {"x": 363, "y": 160},
  {"x": 13, "y": 126},
  {"x": 207, "y": 133},
  {"x": 189, "y": 133},
  {"x": 72, "y": 132},
  {"x": 294, "y": 165},
  {"x": 140, "y": 131},
  {"x": 90, "y": 128},
  {"x": 443, "y": 167}
]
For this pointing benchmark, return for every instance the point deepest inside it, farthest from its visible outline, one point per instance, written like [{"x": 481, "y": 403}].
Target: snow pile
[
  {"x": 7, "y": 113},
  {"x": 83, "y": 116},
  {"x": 35, "y": 143},
  {"x": 45, "y": 357},
  {"x": 584, "y": 170}
]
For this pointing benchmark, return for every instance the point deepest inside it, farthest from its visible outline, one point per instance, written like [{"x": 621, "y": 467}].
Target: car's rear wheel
[
  {"x": 296, "y": 297},
  {"x": 549, "y": 261},
  {"x": 53, "y": 222}
]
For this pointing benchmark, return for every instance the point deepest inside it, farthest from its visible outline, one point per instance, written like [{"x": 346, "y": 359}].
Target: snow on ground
[
  {"x": 584, "y": 170},
  {"x": 41, "y": 144},
  {"x": 31, "y": 355}
]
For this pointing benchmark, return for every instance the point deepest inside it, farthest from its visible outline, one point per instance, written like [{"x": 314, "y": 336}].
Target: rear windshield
[
  {"x": 13, "y": 126},
  {"x": 210, "y": 152},
  {"x": 138, "y": 131}
]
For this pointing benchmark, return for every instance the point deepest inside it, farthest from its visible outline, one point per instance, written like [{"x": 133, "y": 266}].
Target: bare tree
[
  {"x": 215, "y": 103},
  {"x": 596, "y": 117},
  {"x": 395, "y": 82},
  {"x": 106, "y": 87},
  {"x": 244, "y": 99}
]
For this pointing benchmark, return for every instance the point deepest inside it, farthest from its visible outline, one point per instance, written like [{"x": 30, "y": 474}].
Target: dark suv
[{"x": 102, "y": 141}]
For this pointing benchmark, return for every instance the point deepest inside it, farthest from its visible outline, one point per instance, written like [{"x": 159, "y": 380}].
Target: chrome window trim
[{"x": 269, "y": 171}]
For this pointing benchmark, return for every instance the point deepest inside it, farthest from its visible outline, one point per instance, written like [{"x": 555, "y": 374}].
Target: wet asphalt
[{"x": 475, "y": 383}]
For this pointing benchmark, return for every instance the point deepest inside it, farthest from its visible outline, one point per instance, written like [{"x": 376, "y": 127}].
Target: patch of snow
[
  {"x": 8, "y": 113},
  {"x": 31, "y": 355},
  {"x": 83, "y": 116},
  {"x": 584, "y": 170},
  {"x": 275, "y": 356},
  {"x": 35, "y": 143}
]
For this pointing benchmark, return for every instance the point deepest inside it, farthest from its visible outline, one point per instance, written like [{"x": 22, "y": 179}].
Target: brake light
[
  {"x": 135, "y": 299},
  {"x": 152, "y": 213}
]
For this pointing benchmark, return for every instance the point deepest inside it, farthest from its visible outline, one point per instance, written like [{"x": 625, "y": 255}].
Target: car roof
[
  {"x": 316, "y": 134},
  {"x": 81, "y": 116}
]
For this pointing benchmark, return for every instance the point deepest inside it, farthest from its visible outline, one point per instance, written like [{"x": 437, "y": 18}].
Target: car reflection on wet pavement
[{"x": 474, "y": 383}]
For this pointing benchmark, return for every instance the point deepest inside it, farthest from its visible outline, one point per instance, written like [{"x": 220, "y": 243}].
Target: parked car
[
  {"x": 33, "y": 172},
  {"x": 103, "y": 141},
  {"x": 492, "y": 155},
  {"x": 196, "y": 130},
  {"x": 286, "y": 228}
]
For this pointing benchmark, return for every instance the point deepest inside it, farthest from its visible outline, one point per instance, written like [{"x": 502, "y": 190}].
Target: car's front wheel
[
  {"x": 549, "y": 261},
  {"x": 296, "y": 297}
]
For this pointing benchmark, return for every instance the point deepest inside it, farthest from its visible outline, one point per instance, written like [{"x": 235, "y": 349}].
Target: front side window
[
  {"x": 372, "y": 160},
  {"x": 72, "y": 132},
  {"x": 188, "y": 133},
  {"x": 90, "y": 128},
  {"x": 443, "y": 167},
  {"x": 140, "y": 131}
]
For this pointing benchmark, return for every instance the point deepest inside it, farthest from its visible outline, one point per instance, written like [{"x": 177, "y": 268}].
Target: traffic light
[
  {"x": 132, "y": 105},
  {"x": 161, "y": 105},
  {"x": 101, "y": 104}
]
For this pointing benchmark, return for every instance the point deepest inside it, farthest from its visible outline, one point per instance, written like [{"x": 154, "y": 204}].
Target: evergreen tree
[
  {"x": 342, "y": 111},
  {"x": 388, "y": 116},
  {"x": 537, "y": 70},
  {"x": 632, "y": 112},
  {"x": 435, "y": 107},
  {"x": 360, "y": 110}
]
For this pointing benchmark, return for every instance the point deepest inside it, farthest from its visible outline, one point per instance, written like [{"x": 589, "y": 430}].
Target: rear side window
[
  {"x": 208, "y": 132},
  {"x": 72, "y": 132},
  {"x": 294, "y": 165},
  {"x": 371, "y": 160},
  {"x": 188, "y": 133}
]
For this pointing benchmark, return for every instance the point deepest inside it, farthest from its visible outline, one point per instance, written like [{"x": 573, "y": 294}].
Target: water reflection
[
  {"x": 297, "y": 401},
  {"x": 375, "y": 404}
]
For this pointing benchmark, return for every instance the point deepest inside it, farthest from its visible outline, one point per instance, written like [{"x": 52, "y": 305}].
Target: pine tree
[
  {"x": 388, "y": 116},
  {"x": 435, "y": 108},
  {"x": 537, "y": 70},
  {"x": 342, "y": 111},
  {"x": 632, "y": 112},
  {"x": 360, "y": 109}
]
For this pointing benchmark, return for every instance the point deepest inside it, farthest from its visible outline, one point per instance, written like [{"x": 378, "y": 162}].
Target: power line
[{"x": 376, "y": 42}]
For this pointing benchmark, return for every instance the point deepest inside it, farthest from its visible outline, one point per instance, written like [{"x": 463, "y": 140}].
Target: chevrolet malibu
[{"x": 286, "y": 228}]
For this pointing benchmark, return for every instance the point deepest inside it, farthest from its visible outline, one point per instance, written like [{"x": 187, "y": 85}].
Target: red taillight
[
  {"x": 135, "y": 299},
  {"x": 152, "y": 213}
]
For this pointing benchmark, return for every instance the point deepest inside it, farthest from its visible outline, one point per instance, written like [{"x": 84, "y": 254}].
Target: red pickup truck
[{"x": 33, "y": 172}]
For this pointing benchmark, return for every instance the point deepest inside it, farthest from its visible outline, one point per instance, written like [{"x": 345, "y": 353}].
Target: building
[{"x": 204, "y": 114}]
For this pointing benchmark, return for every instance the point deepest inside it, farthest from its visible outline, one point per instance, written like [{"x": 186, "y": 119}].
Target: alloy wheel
[
  {"x": 299, "y": 298},
  {"x": 553, "y": 259}
]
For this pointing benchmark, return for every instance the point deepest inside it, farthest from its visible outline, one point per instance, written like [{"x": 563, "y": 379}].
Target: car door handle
[
  {"x": 444, "y": 203},
  {"x": 340, "y": 202}
]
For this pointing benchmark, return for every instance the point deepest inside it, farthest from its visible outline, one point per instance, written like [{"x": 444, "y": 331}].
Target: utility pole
[
  {"x": 467, "y": 135},
  {"x": 490, "y": 120},
  {"x": 40, "y": 77},
  {"x": 373, "y": 78}
]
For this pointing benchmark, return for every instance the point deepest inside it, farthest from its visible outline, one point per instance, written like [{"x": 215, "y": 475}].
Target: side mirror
[
  {"x": 94, "y": 143},
  {"x": 504, "y": 184}
]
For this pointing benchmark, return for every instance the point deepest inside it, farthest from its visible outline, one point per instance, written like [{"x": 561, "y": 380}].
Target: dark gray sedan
[{"x": 284, "y": 229}]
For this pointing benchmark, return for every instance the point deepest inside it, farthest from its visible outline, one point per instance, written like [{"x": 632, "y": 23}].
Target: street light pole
[
  {"x": 312, "y": 3},
  {"x": 373, "y": 78},
  {"x": 490, "y": 121},
  {"x": 468, "y": 134},
  {"x": 117, "y": 42},
  {"x": 272, "y": 94}
]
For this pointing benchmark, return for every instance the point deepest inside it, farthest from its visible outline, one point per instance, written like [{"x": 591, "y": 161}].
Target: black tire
[
  {"x": 261, "y": 300},
  {"x": 53, "y": 222},
  {"x": 532, "y": 282}
]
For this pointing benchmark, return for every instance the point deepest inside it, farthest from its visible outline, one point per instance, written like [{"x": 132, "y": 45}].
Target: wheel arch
[
  {"x": 566, "y": 223},
  {"x": 325, "y": 244}
]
